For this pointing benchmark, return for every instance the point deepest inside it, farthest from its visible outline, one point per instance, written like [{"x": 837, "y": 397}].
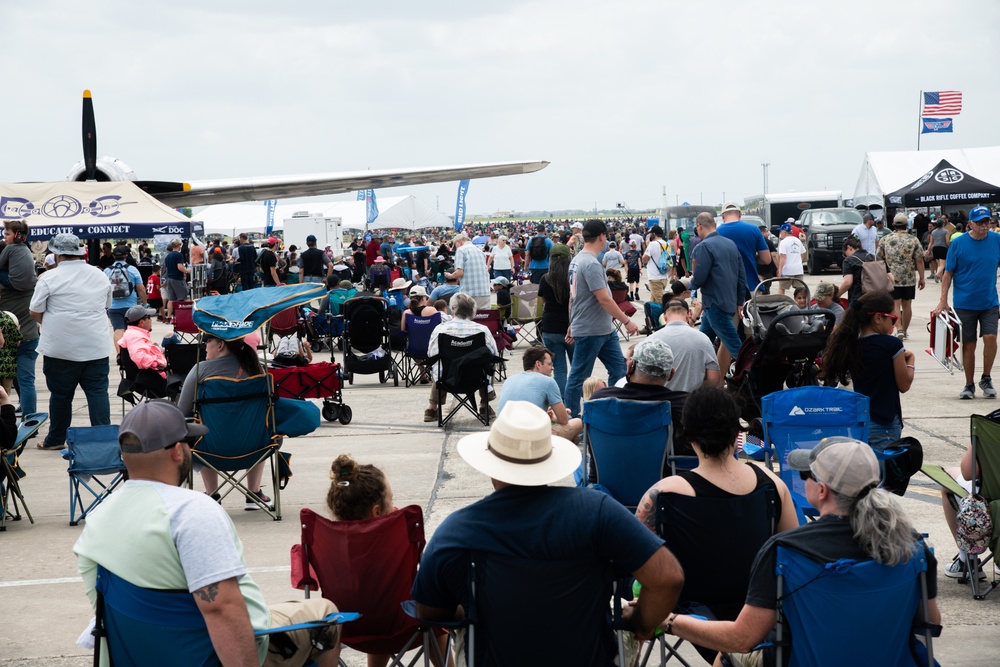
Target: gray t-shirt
[
  {"x": 693, "y": 355},
  {"x": 227, "y": 366},
  {"x": 535, "y": 388},
  {"x": 587, "y": 316},
  {"x": 613, "y": 260}
]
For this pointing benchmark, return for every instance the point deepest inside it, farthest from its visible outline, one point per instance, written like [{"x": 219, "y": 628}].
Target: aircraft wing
[{"x": 205, "y": 193}]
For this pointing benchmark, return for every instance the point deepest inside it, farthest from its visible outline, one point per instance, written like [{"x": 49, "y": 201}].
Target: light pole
[{"x": 765, "y": 165}]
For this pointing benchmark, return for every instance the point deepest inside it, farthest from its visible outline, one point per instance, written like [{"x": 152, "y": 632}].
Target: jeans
[
  {"x": 27, "y": 354},
  {"x": 62, "y": 377},
  {"x": 881, "y": 436},
  {"x": 561, "y": 351},
  {"x": 715, "y": 322},
  {"x": 585, "y": 350},
  {"x": 247, "y": 281},
  {"x": 502, "y": 273},
  {"x": 536, "y": 275}
]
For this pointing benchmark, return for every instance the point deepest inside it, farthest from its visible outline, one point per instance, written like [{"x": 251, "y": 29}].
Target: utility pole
[{"x": 765, "y": 165}]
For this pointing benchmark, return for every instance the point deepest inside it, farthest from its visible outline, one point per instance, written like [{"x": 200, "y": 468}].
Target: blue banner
[
  {"x": 371, "y": 207},
  {"x": 463, "y": 188},
  {"x": 935, "y": 125},
  {"x": 271, "y": 205}
]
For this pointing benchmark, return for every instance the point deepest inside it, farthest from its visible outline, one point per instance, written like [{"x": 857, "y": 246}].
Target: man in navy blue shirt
[
  {"x": 748, "y": 240},
  {"x": 539, "y": 556},
  {"x": 720, "y": 276}
]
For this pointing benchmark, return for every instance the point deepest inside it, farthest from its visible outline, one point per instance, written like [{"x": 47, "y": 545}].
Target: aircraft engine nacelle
[{"x": 108, "y": 169}]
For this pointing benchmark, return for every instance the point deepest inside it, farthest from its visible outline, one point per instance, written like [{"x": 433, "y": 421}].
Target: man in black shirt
[
  {"x": 246, "y": 255},
  {"x": 316, "y": 266},
  {"x": 269, "y": 264}
]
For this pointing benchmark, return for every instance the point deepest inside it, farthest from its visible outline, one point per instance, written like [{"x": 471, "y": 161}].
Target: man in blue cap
[{"x": 972, "y": 267}]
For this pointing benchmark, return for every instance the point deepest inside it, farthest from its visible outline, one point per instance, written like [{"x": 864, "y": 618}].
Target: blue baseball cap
[
  {"x": 785, "y": 228},
  {"x": 979, "y": 213}
]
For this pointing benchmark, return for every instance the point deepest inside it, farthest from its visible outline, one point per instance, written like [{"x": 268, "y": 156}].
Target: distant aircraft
[{"x": 205, "y": 193}]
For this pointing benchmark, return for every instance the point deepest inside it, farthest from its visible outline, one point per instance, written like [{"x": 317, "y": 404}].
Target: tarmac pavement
[{"x": 45, "y": 609}]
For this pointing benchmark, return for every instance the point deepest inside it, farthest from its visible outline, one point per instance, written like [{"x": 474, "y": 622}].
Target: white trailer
[
  {"x": 776, "y": 207},
  {"x": 326, "y": 230}
]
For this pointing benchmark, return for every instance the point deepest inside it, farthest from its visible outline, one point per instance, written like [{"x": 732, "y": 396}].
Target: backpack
[
  {"x": 875, "y": 277},
  {"x": 663, "y": 261},
  {"x": 537, "y": 249},
  {"x": 121, "y": 284}
]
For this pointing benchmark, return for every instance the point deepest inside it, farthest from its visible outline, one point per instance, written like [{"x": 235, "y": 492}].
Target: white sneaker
[
  {"x": 958, "y": 568},
  {"x": 986, "y": 384}
]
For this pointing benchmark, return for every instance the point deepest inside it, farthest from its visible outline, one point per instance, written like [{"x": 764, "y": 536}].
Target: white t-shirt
[
  {"x": 792, "y": 249},
  {"x": 502, "y": 258},
  {"x": 867, "y": 235},
  {"x": 653, "y": 250},
  {"x": 74, "y": 297}
]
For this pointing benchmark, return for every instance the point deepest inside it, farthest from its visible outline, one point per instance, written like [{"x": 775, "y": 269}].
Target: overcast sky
[{"x": 624, "y": 98}]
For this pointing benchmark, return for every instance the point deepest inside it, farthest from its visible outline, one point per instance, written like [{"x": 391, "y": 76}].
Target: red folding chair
[
  {"x": 369, "y": 565},
  {"x": 184, "y": 325},
  {"x": 285, "y": 323},
  {"x": 621, "y": 299},
  {"x": 492, "y": 319}
]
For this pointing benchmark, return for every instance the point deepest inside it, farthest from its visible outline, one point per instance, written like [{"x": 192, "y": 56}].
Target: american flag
[{"x": 942, "y": 103}]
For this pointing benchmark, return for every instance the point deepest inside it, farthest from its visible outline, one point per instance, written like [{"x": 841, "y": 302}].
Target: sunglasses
[
  {"x": 891, "y": 316},
  {"x": 806, "y": 474}
]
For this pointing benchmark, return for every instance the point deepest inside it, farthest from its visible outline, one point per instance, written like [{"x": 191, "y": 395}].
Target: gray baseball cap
[
  {"x": 136, "y": 313},
  {"x": 653, "y": 357},
  {"x": 157, "y": 425},
  {"x": 66, "y": 244},
  {"x": 846, "y": 465}
]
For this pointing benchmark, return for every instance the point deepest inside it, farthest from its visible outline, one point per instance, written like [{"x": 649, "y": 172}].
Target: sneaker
[
  {"x": 491, "y": 395},
  {"x": 969, "y": 392},
  {"x": 901, "y": 335},
  {"x": 986, "y": 384},
  {"x": 957, "y": 569},
  {"x": 488, "y": 413},
  {"x": 251, "y": 506},
  {"x": 216, "y": 497},
  {"x": 430, "y": 415}
]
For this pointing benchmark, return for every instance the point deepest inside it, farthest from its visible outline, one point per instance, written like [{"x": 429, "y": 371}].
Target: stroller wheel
[
  {"x": 331, "y": 411},
  {"x": 316, "y": 346},
  {"x": 345, "y": 414}
]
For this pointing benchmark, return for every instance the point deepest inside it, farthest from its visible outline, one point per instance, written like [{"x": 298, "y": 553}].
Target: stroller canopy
[{"x": 233, "y": 316}]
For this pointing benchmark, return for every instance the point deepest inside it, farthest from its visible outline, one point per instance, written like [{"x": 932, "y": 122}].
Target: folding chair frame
[
  {"x": 975, "y": 563},
  {"x": 415, "y": 365},
  {"x": 11, "y": 474},
  {"x": 464, "y": 399},
  {"x": 520, "y": 322},
  {"x": 97, "y": 488},
  {"x": 184, "y": 325}
]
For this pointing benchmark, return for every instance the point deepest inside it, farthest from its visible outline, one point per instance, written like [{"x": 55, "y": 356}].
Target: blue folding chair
[
  {"x": 652, "y": 312},
  {"x": 629, "y": 441},
  {"x": 853, "y": 613},
  {"x": 147, "y": 627},
  {"x": 799, "y": 418},
  {"x": 418, "y": 337},
  {"x": 11, "y": 472},
  {"x": 242, "y": 432},
  {"x": 92, "y": 453}
]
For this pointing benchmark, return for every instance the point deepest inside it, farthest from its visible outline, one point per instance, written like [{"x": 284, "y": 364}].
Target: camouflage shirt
[{"x": 901, "y": 252}]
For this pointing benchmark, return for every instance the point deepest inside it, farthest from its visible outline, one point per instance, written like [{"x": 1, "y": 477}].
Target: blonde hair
[{"x": 592, "y": 384}]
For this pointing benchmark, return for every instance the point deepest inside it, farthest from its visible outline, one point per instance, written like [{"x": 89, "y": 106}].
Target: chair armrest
[
  {"x": 333, "y": 619},
  {"x": 410, "y": 609},
  {"x": 300, "y": 578}
]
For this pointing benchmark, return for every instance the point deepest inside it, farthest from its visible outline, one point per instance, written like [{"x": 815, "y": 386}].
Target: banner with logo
[
  {"x": 936, "y": 125},
  {"x": 463, "y": 188},
  {"x": 271, "y": 205},
  {"x": 371, "y": 206}
]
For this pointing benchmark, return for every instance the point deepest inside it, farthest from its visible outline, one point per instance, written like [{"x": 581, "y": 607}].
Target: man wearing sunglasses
[{"x": 971, "y": 267}]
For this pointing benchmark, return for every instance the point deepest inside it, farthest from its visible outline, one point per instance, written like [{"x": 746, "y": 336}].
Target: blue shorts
[{"x": 117, "y": 317}]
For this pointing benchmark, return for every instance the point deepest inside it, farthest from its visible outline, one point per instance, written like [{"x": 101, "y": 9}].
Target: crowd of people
[{"x": 701, "y": 278}]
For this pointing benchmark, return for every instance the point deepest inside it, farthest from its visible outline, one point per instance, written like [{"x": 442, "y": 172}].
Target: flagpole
[{"x": 920, "y": 113}]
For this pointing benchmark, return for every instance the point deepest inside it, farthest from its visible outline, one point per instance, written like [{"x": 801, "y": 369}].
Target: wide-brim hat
[
  {"x": 379, "y": 260},
  {"x": 66, "y": 245},
  {"x": 520, "y": 449},
  {"x": 399, "y": 283}
]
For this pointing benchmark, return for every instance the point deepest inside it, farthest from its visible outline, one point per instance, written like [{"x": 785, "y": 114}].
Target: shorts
[
  {"x": 300, "y": 644},
  {"x": 904, "y": 293},
  {"x": 175, "y": 290},
  {"x": 117, "y": 317},
  {"x": 787, "y": 283},
  {"x": 155, "y": 303},
  {"x": 986, "y": 319},
  {"x": 939, "y": 253},
  {"x": 633, "y": 274}
]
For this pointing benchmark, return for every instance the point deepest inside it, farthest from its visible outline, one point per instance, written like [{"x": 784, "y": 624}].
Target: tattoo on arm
[
  {"x": 646, "y": 512},
  {"x": 208, "y": 593}
]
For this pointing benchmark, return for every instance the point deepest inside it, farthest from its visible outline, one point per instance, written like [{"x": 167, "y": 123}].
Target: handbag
[{"x": 973, "y": 526}]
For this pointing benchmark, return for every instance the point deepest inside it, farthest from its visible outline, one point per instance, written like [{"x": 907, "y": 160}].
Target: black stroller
[
  {"x": 781, "y": 349},
  {"x": 366, "y": 339}
]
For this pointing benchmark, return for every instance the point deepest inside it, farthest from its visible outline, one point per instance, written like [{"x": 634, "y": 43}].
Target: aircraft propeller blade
[{"x": 89, "y": 138}]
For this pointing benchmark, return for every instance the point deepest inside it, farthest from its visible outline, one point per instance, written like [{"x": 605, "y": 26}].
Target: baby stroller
[
  {"x": 366, "y": 339},
  {"x": 781, "y": 349}
]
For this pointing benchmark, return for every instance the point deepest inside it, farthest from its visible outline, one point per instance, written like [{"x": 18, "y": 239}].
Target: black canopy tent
[{"x": 942, "y": 186}]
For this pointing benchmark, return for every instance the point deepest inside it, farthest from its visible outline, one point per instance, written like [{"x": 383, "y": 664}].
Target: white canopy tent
[
  {"x": 394, "y": 212},
  {"x": 886, "y": 172}
]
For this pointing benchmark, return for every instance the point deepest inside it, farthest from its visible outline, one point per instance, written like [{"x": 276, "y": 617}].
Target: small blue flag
[
  {"x": 463, "y": 188},
  {"x": 271, "y": 205},
  {"x": 371, "y": 207},
  {"x": 936, "y": 125}
]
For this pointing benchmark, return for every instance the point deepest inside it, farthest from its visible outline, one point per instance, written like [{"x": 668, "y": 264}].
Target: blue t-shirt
[
  {"x": 878, "y": 381},
  {"x": 536, "y": 388},
  {"x": 748, "y": 240},
  {"x": 173, "y": 258},
  {"x": 579, "y": 540},
  {"x": 973, "y": 266},
  {"x": 444, "y": 292},
  {"x": 539, "y": 263},
  {"x": 134, "y": 277}
]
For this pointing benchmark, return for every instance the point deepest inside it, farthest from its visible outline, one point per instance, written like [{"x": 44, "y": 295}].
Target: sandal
[{"x": 49, "y": 448}]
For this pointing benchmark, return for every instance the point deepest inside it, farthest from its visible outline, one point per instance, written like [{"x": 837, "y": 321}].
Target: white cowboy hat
[
  {"x": 399, "y": 283},
  {"x": 520, "y": 449}
]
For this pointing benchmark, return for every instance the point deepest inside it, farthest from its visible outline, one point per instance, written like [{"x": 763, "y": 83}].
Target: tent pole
[{"x": 920, "y": 114}]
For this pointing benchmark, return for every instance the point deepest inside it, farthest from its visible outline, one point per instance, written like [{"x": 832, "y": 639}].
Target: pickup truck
[{"x": 826, "y": 229}]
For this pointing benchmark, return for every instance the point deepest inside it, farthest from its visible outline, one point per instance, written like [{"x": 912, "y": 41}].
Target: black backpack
[
  {"x": 537, "y": 249},
  {"x": 121, "y": 285}
]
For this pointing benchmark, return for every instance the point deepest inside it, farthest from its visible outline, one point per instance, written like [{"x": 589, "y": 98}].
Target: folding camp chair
[
  {"x": 182, "y": 357},
  {"x": 620, "y": 297},
  {"x": 652, "y": 312},
  {"x": 146, "y": 627},
  {"x": 239, "y": 414},
  {"x": 138, "y": 384},
  {"x": 719, "y": 576},
  {"x": 92, "y": 453},
  {"x": 466, "y": 369},
  {"x": 418, "y": 337},
  {"x": 492, "y": 319},
  {"x": 852, "y": 613},
  {"x": 11, "y": 473},
  {"x": 986, "y": 468},
  {"x": 184, "y": 325},
  {"x": 525, "y": 310},
  {"x": 628, "y": 443},
  {"x": 285, "y": 323},
  {"x": 369, "y": 566},
  {"x": 799, "y": 418}
]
